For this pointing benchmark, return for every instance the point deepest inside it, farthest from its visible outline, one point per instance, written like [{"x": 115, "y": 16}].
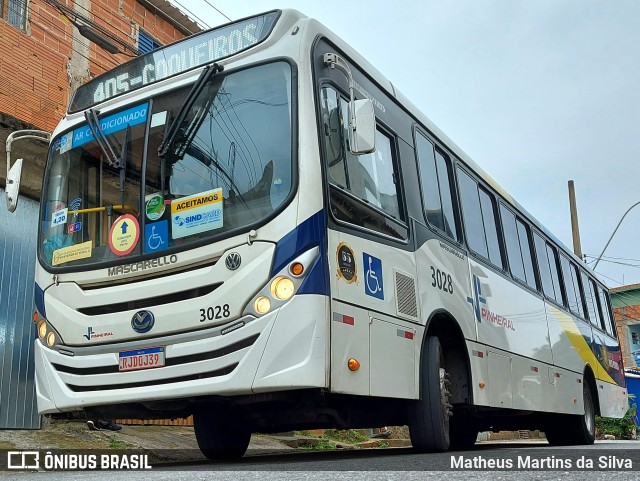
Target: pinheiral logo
[{"x": 142, "y": 321}]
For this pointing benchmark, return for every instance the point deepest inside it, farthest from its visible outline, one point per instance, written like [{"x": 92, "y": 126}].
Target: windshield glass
[{"x": 227, "y": 167}]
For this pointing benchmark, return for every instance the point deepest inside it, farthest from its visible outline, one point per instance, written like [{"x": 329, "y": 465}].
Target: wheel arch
[
  {"x": 443, "y": 325},
  {"x": 589, "y": 380}
]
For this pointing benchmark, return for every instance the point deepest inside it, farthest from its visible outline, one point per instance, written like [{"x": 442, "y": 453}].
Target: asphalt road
[{"x": 488, "y": 461}]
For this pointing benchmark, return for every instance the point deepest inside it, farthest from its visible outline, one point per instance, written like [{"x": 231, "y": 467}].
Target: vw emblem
[
  {"x": 142, "y": 321},
  {"x": 233, "y": 261}
]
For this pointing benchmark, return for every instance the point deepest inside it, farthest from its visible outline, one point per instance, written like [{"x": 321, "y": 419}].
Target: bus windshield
[{"x": 228, "y": 167}]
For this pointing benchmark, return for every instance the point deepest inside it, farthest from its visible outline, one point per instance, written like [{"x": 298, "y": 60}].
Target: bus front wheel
[
  {"x": 429, "y": 415},
  {"x": 219, "y": 436}
]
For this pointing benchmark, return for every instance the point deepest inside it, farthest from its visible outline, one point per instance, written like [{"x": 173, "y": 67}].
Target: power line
[
  {"x": 217, "y": 10},
  {"x": 69, "y": 12},
  {"x": 202, "y": 22},
  {"x": 102, "y": 54}
]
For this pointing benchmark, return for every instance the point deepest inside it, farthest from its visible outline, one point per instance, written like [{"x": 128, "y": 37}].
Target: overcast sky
[{"x": 537, "y": 92}]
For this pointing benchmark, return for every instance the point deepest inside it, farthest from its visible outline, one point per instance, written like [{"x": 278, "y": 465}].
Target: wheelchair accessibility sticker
[
  {"x": 156, "y": 236},
  {"x": 372, "y": 276}
]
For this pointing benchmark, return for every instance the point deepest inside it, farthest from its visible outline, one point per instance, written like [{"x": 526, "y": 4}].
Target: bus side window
[
  {"x": 365, "y": 188},
  {"x": 574, "y": 302},
  {"x": 589, "y": 300},
  {"x": 478, "y": 210},
  {"x": 606, "y": 312},
  {"x": 332, "y": 131},
  {"x": 552, "y": 258},
  {"x": 597, "y": 315},
  {"x": 435, "y": 181}
]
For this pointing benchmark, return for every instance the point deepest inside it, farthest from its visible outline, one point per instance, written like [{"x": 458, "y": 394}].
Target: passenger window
[
  {"x": 576, "y": 283},
  {"x": 543, "y": 266},
  {"x": 596, "y": 320},
  {"x": 527, "y": 256},
  {"x": 435, "y": 181},
  {"x": 606, "y": 312},
  {"x": 552, "y": 257},
  {"x": 478, "y": 209},
  {"x": 512, "y": 243},
  {"x": 516, "y": 236},
  {"x": 574, "y": 300},
  {"x": 588, "y": 298}
]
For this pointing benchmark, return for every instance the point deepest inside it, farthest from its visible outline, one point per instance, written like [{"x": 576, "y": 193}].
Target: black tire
[
  {"x": 429, "y": 415},
  {"x": 218, "y": 436},
  {"x": 569, "y": 429}
]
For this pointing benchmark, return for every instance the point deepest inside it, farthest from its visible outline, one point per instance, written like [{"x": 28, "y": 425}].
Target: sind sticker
[
  {"x": 72, "y": 253},
  {"x": 196, "y": 213}
]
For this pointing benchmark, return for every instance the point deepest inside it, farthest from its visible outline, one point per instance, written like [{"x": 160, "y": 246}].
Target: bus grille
[{"x": 149, "y": 301}]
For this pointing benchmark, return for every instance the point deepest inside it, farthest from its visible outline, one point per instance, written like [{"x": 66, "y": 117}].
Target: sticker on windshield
[
  {"x": 59, "y": 217},
  {"x": 64, "y": 143},
  {"x": 72, "y": 253},
  {"x": 196, "y": 213},
  {"x": 112, "y": 123},
  {"x": 154, "y": 204},
  {"x": 124, "y": 235}
]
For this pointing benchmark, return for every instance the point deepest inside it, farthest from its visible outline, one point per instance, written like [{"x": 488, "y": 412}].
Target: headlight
[
  {"x": 282, "y": 288},
  {"x": 262, "y": 305},
  {"x": 283, "y": 285},
  {"x": 51, "y": 339},
  {"x": 42, "y": 329}
]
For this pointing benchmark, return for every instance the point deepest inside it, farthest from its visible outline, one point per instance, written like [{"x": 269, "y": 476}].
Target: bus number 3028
[
  {"x": 442, "y": 280},
  {"x": 215, "y": 312}
]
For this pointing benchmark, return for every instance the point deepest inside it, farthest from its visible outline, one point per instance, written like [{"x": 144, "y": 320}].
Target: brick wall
[{"x": 36, "y": 74}]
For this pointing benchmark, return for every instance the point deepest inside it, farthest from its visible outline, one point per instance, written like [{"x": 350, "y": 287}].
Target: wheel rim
[{"x": 445, "y": 406}]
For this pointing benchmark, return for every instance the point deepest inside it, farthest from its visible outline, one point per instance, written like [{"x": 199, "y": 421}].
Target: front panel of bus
[{"x": 176, "y": 253}]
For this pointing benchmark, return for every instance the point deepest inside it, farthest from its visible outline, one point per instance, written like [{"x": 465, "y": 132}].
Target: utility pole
[{"x": 575, "y": 228}]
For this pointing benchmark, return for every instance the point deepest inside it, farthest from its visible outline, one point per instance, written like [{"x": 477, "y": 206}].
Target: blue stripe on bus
[
  {"x": 38, "y": 297},
  {"x": 312, "y": 232}
]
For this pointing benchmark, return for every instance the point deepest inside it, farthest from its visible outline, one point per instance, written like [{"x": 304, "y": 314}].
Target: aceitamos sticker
[{"x": 196, "y": 213}]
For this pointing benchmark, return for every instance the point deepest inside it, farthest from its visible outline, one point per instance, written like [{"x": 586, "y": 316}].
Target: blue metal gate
[{"x": 18, "y": 234}]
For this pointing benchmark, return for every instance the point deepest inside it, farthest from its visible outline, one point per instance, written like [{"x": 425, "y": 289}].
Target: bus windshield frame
[{"x": 234, "y": 171}]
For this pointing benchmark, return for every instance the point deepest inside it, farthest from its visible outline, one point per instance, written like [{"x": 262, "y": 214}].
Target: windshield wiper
[
  {"x": 115, "y": 161},
  {"x": 176, "y": 126},
  {"x": 103, "y": 142},
  {"x": 124, "y": 152}
]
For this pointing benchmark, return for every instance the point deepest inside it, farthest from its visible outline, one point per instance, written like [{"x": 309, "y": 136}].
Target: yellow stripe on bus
[{"x": 578, "y": 341}]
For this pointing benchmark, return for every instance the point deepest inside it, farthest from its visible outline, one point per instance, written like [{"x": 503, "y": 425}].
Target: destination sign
[{"x": 187, "y": 54}]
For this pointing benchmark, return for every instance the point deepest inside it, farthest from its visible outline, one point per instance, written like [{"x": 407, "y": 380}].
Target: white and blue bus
[{"x": 254, "y": 227}]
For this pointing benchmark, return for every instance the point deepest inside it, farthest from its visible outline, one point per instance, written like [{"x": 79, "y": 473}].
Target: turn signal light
[
  {"x": 296, "y": 269},
  {"x": 353, "y": 364}
]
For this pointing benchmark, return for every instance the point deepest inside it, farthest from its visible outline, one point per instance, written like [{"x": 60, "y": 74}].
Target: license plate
[{"x": 141, "y": 359}]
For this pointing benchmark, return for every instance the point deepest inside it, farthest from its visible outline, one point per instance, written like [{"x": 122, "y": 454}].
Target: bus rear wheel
[
  {"x": 429, "y": 415},
  {"x": 219, "y": 435},
  {"x": 571, "y": 429}
]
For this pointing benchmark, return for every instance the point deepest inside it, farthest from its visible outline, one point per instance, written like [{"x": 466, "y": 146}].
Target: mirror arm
[
  {"x": 24, "y": 134},
  {"x": 333, "y": 60}
]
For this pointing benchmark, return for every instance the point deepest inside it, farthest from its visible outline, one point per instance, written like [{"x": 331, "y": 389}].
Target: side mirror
[
  {"x": 13, "y": 185},
  {"x": 362, "y": 127}
]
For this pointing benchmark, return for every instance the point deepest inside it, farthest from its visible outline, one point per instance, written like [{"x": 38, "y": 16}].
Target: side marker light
[{"x": 353, "y": 364}]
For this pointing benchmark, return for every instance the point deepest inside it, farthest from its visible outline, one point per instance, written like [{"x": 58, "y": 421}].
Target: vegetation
[
  {"x": 348, "y": 436},
  {"x": 624, "y": 428}
]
